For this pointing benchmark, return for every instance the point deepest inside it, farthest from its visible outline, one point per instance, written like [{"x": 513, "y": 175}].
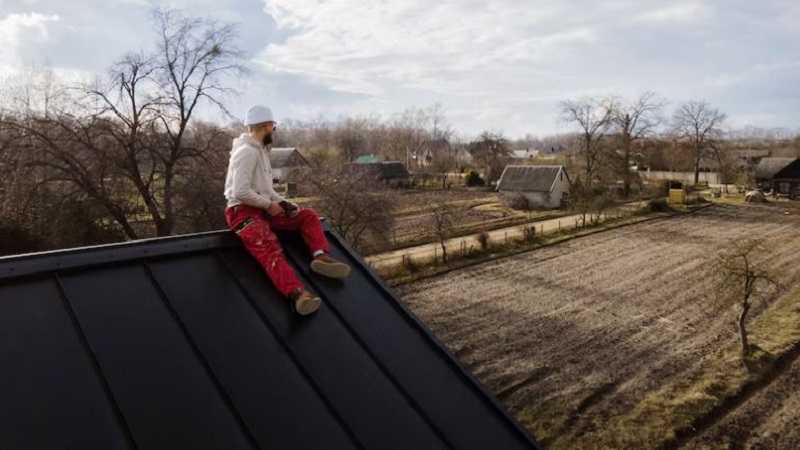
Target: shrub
[
  {"x": 474, "y": 179},
  {"x": 410, "y": 265},
  {"x": 483, "y": 241},
  {"x": 15, "y": 239},
  {"x": 518, "y": 202},
  {"x": 658, "y": 205},
  {"x": 529, "y": 233}
]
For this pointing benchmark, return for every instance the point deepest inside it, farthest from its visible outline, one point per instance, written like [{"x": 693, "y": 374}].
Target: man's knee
[{"x": 308, "y": 214}]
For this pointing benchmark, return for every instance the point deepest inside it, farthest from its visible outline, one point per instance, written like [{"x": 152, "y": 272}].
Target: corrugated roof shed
[
  {"x": 528, "y": 178},
  {"x": 281, "y": 157},
  {"x": 184, "y": 343},
  {"x": 768, "y": 168}
]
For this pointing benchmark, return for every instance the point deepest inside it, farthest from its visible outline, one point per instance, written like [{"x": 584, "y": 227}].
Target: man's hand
[
  {"x": 291, "y": 208},
  {"x": 275, "y": 209}
]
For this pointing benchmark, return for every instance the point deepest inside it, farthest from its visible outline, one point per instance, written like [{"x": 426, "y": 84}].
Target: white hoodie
[{"x": 249, "y": 179}]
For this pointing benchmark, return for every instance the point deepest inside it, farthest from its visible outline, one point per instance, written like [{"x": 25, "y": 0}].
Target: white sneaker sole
[
  {"x": 307, "y": 306},
  {"x": 330, "y": 270}
]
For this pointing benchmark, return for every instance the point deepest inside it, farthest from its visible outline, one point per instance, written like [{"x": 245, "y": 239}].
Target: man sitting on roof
[{"x": 254, "y": 209}]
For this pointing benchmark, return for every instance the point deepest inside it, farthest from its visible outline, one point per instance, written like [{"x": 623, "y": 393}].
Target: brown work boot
[
  {"x": 329, "y": 267},
  {"x": 304, "y": 302}
]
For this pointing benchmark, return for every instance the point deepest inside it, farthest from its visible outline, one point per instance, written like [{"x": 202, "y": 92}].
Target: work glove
[{"x": 291, "y": 208}]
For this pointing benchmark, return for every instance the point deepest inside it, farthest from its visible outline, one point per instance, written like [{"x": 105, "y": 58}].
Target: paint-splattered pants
[{"x": 255, "y": 231}]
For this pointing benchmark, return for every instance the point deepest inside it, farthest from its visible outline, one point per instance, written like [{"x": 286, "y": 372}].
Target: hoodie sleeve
[
  {"x": 273, "y": 196},
  {"x": 244, "y": 163}
]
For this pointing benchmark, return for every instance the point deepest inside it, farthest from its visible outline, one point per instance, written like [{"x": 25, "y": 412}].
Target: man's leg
[
  {"x": 262, "y": 243},
  {"x": 307, "y": 221}
]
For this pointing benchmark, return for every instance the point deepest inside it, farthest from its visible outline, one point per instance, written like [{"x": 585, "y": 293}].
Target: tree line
[{"x": 125, "y": 157}]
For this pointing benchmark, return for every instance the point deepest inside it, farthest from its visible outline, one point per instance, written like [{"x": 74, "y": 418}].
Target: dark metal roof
[
  {"x": 184, "y": 343},
  {"x": 529, "y": 178},
  {"x": 769, "y": 168}
]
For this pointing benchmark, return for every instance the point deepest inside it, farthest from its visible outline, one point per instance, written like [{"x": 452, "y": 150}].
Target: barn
[
  {"x": 542, "y": 186},
  {"x": 779, "y": 175},
  {"x": 287, "y": 164}
]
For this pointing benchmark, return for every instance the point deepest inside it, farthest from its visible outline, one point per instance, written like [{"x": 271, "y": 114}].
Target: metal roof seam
[
  {"x": 226, "y": 398},
  {"x": 282, "y": 342},
  {"x": 94, "y": 361},
  {"x": 385, "y": 370}
]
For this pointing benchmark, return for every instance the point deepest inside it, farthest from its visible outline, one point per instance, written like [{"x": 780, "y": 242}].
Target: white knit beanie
[{"x": 258, "y": 114}]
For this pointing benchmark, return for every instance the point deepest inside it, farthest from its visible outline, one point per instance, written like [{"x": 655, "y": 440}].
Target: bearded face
[{"x": 267, "y": 139}]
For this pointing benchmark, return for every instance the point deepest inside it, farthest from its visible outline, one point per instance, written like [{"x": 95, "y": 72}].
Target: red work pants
[{"x": 261, "y": 242}]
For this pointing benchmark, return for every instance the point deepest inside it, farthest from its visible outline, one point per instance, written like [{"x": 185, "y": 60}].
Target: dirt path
[
  {"x": 428, "y": 252},
  {"x": 571, "y": 335}
]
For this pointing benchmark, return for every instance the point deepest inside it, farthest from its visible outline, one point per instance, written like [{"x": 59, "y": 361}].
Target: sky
[{"x": 501, "y": 66}]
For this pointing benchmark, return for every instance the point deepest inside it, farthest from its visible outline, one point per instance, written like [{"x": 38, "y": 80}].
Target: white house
[
  {"x": 543, "y": 186},
  {"x": 524, "y": 155}
]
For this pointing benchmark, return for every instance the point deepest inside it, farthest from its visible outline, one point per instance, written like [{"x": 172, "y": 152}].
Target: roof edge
[
  {"x": 33, "y": 263},
  {"x": 488, "y": 396}
]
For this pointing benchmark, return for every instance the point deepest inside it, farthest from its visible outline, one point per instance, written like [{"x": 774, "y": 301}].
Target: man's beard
[{"x": 267, "y": 139}]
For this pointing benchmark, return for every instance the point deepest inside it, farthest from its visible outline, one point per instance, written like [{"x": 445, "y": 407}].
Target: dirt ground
[
  {"x": 571, "y": 335},
  {"x": 414, "y": 221},
  {"x": 770, "y": 419}
]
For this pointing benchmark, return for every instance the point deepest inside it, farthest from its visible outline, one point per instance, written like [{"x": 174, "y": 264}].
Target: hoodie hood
[{"x": 246, "y": 140}]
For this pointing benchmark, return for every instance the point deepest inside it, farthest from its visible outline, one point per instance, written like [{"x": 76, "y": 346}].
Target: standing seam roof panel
[{"x": 184, "y": 343}]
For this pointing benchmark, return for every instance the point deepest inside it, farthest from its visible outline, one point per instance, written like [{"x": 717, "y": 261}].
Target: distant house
[
  {"x": 779, "y": 175},
  {"x": 432, "y": 149},
  {"x": 543, "y": 186},
  {"x": 287, "y": 165},
  {"x": 523, "y": 156},
  {"x": 393, "y": 173},
  {"x": 749, "y": 159}
]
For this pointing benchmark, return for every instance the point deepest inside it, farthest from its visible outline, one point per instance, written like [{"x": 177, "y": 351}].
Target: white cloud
[
  {"x": 18, "y": 28},
  {"x": 722, "y": 81},
  {"x": 777, "y": 66},
  {"x": 448, "y": 47},
  {"x": 503, "y": 64},
  {"x": 506, "y": 64},
  {"x": 684, "y": 13}
]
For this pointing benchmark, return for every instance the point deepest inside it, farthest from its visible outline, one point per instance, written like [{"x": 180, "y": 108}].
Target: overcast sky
[{"x": 500, "y": 65}]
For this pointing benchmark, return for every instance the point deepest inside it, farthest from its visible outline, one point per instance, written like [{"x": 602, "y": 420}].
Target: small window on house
[{"x": 783, "y": 188}]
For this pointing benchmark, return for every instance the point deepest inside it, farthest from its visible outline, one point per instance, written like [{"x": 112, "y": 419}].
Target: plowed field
[{"x": 571, "y": 335}]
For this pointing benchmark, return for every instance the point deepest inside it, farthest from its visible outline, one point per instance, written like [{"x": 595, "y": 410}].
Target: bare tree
[
  {"x": 357, "y": 206},
  {"x": 593, "y": 118},
  {"x": 633, "y": 122},
  {"x": 195, "y": 59},
  {"x": 443, "y": 216},
  {"x": 439, "y": 127},
  {"x": 123, "y": 145},
  {"x": 352, "y": 137},
  {"x": 796, "y": 143},
  {"x": 698, "y": 125},
  {"x": 411, "y": 126},
  {"x": 739, "y": 274},
  {"x": 197, "y": 191},
  {"x": 491, "y": 152}
]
